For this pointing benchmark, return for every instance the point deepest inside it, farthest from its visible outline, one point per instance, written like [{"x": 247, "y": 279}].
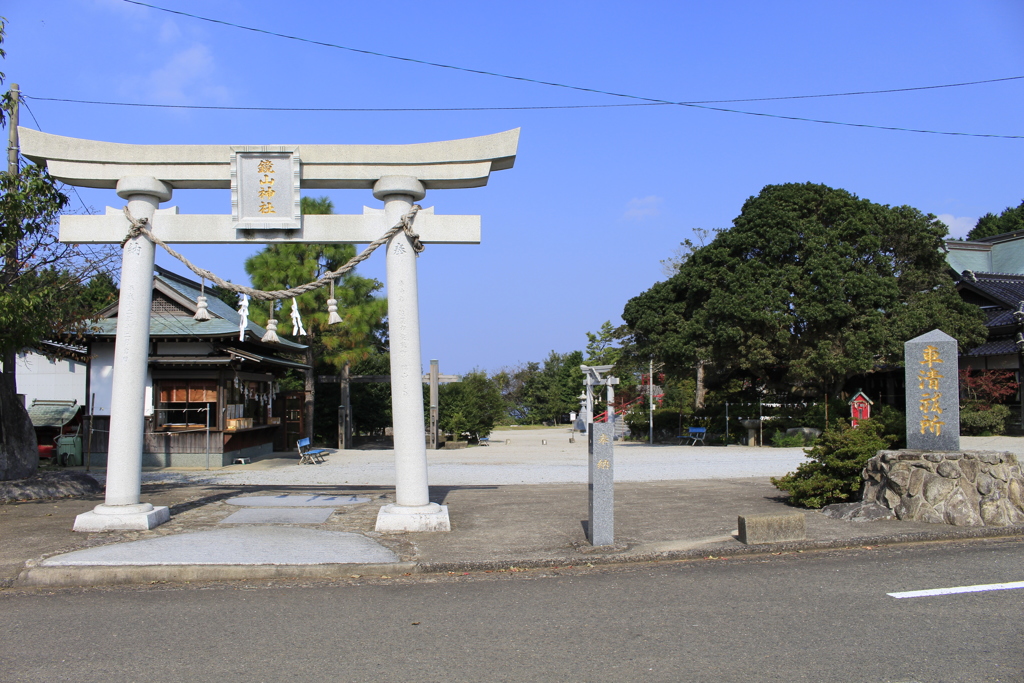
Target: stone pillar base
[
  {"x": 138, "y": 517},
  {"x": 432, "y": 517}
]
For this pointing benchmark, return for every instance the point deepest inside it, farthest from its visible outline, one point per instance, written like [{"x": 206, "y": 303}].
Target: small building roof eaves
[
  {"x": 995, "y": 347},
  {"x": 52, "y": 413},
  {"x": 75, "y": 352},
  {"x": 258, "y": 358}
]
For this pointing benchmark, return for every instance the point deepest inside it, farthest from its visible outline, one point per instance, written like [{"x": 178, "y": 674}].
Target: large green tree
[
  {"x": 473, "y": 405},
  {"x": 1010, "y": 220},
  {"x": 604, "y": 347},
  {"x": 552, "y": 392},
  {"x": 810, "y": 286},
  {"x": 512, "y": 383},
  {"x": 361, "y": 332},
  {"x": 42, "y": 284}
]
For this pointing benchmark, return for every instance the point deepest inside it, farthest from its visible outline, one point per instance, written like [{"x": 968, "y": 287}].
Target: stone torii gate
[
  {"x": 594, "y": 375},
  {"x": 265, "y": 183}
]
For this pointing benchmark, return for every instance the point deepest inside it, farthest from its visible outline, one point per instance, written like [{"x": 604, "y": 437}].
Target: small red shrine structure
[{"x": 860, "y": 407}]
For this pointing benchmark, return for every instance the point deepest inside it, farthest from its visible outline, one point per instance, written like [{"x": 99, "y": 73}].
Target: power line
[
  {"x": 351, "y": 109},
  {"x": 550, "y": 83},
  {"x": 649, "y": 100},
  {"x": 860, "y": 92},
  {"x": 456, "y": 109}
]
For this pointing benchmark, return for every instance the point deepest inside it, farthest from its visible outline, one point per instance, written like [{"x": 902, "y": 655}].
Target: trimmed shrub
[
  {"x": 982, "y": 420},
  {"x": 833, "y": 474},
  {"x": 781, "y": 440}
]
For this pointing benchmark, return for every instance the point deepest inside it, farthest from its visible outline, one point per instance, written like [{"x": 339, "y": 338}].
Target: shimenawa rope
[{"x": 138, "y": 227}]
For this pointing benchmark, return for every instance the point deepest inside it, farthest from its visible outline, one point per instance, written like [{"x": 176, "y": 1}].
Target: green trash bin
[{"x": 69, "y": 450}]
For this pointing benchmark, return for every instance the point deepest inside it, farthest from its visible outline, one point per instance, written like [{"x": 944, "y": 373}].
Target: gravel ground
[{"x": 531, "y": 456}]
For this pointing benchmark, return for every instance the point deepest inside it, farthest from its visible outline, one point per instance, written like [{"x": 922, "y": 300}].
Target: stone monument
[
  {"x": 265, "y": 183},
  {"x": 932, "y": 480},
  {"x": 933, "y": 392}
]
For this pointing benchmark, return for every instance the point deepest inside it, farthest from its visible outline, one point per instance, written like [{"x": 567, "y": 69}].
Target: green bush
[
  {"x": 977, "y": 419},
  {"x": 666, "y": 421},
  {"x": 894, "y": 422},
  {"x": 833, "y": 474},
  {"x": 782, "y": 440}
]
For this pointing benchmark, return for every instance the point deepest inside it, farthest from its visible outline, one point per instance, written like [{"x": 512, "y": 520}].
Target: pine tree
[{"x": 361, "y": 332}]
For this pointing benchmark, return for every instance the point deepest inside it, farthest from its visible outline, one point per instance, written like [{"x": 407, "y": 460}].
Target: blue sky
[{"x": 598, "y": 197}]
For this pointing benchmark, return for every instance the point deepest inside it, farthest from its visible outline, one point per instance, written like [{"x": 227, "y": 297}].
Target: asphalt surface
[
  {"x": 823, "y": 616},
  {"x": 215, "y": 534}
]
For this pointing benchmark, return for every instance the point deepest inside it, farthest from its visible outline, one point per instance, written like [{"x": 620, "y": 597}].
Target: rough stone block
[
  {"x": 756, "y": 529},
  {"x": 857, "y": 512},
  {"x": 974, "y": 488},
  {"x": 899, "y": 479}
]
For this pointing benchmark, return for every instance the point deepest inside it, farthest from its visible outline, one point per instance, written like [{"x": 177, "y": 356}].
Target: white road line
[{"x": 959, "y": 589}]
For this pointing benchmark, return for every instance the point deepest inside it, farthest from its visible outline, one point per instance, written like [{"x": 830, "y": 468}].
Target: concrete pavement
[{"x": 511, "y": 506}]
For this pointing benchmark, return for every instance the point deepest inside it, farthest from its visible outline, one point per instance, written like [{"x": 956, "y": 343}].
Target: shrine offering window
[
  {"x": 186, "y": 403},
  {"x": 249, "y": 400}
]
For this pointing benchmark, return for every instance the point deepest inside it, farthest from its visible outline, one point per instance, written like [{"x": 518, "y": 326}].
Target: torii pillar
[{"x": 146, "y": 175}]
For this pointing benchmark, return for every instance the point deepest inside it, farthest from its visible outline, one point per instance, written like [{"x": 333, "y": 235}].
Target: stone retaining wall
[{"x": 962, "y": 488}]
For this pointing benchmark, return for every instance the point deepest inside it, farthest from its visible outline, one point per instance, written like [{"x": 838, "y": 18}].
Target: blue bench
[
  {"x": 695, "y": 436},
  {"x": 309, "y": 456}
]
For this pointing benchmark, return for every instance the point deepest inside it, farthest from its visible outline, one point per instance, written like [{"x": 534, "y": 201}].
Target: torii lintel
[{"x": 450, "y": 164}]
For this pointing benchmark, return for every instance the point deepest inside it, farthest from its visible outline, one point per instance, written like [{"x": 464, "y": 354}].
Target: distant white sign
[{"x": 265, "y": 188}]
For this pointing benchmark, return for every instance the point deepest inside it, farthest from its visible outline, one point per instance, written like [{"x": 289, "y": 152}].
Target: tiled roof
[
  {"x": 1000, "y": 318},
  {"x": 1004, "y": 287},
  {"x": 1002, "y": 237},
  {"x": 46, "y": 413},
  {"x": 1006, "y": 292},
  {"x": 994, "y": 347},
  {"x": 223, "y": 320}
]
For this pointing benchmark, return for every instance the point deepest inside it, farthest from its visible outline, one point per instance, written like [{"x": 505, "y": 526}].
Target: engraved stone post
[
  {"x": 602, "y": 483},
  {"x": 345, "y": 409},
  {"x": 933, "y": 398},
  {"x": 121, "y": 508},
  {"x": 434, "y": 373},
  {"x": 412, "y": 510}
]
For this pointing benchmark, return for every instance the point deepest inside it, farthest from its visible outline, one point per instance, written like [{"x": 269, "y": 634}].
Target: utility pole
[
  {"x": 11, "y": 255},
  {"x": 650, "y": 400}
]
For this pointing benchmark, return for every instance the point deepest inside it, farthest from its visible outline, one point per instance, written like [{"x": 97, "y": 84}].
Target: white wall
[
  {"x": 103, "y": 378},
  {"x": 40, "y": 377}
]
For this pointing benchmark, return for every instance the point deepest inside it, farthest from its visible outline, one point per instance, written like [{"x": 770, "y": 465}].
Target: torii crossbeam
[{"x": 265, "y": 182}]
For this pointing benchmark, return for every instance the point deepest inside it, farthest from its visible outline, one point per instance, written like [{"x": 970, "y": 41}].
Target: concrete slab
[
  {"x": 291, "y": 501},
  {"x": 279, "y": 516},
  {"x": 243, "y": 545}
]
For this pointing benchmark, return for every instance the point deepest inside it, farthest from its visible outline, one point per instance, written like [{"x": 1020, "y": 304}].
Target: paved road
[{"x": 812, "y": 616}]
